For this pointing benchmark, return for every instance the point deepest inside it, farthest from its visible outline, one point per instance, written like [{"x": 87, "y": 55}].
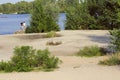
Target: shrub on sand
[
  {"x": 113, "y": 60},
  {"x": 90, "y": 51},
  {"x": 51, "y": 34},
  {"x": 26, "y": 59},
  {"x": 115, "y": 40}
]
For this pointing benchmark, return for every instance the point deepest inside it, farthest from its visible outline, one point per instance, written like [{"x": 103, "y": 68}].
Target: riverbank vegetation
[
  {"x": 94, "y": 14},
  {"x": 22, "y": 7},
  {"x": 114, "y": 59}
]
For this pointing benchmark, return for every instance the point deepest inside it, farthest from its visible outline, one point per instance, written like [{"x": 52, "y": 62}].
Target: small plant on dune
[
  {"x": 54, "y": 43},
  {"x": 113, "y": 60},
  {"x": 26, "y": 59},
  {"x": 90, "y": 51},
  {"x": 51, "y": 34}
]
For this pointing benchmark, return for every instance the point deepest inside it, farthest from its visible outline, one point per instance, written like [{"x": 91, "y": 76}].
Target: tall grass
[
  {"x": 114, "y": 59},
  {"x": 90, "y": 51},
  {"x": 52, "y": 34}
]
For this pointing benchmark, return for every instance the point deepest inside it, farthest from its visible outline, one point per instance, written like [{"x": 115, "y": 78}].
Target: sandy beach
[{"x": 73, "y": 67}]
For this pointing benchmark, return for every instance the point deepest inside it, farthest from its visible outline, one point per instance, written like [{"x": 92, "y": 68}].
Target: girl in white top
[{"x": 23, "y": 25}]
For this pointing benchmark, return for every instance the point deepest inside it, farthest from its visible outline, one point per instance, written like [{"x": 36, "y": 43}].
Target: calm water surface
[{"x": 9, "y": 23}]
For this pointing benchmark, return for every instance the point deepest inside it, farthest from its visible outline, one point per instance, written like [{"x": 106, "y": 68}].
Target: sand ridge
[
  {"x": 72, "y": 41},
  {"x": 73, "y": 67}
]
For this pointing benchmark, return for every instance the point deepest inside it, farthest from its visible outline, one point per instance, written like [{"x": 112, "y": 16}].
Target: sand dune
[
  {"x": 72, "y": 41},
  {"x": 72, "y": 68}
]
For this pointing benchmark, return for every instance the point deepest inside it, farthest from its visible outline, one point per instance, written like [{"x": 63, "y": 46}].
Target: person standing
[{"x": 23, "y": 26}]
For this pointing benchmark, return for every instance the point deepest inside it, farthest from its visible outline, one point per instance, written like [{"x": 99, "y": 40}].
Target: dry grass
[
  {"x": 0, "y": 47},
  {"x": 30, "y": 37},
  {"x": 114, "y": 59},
  {"x": 54, "y": 43},
  {"x": 36, "y": 36},
  {"x": 51, "y": 34}
]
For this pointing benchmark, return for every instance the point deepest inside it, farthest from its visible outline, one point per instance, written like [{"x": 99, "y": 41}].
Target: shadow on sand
[{"x": 100, "y": 39}]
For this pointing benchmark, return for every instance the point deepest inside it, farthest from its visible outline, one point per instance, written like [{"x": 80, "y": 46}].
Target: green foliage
[
  {"x": 23, "y": 7},
  {"x": 46, "y": 60},
  {"x": 20, "y": 7},
  {"x": 6, "y": 8},
  {"x": 113, "y": 60},
  {"x": 62, "y": 5},
  {"x": 52, "y": 9},
  {"x": 23, "y": 58},
  {"x": 26, "y": 59},
  {"x": 115, "y": 40},
  {"x": 93, "y": 14},
  {"x": 42, "y": 19},
  {"x": 6, "y": 66},
  {"x": 71, "y": 2},
  {"x": 51, "y": 34},
  {"x": 90, "y": 51}
]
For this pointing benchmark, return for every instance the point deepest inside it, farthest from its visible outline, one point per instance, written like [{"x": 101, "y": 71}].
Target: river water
[{"x": 10, "y": 23}]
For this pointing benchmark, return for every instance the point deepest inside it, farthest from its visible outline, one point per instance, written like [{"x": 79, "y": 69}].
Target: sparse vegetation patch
[
  {"x": 90, "y": 51},
  {"x": 26, "y": 58},
  {"x": 52, "y": 34},
  {"x": 113, "y": 60},
  {"x": 54, "y": 43}
]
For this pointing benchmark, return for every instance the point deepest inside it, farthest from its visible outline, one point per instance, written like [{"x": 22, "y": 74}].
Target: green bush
[
  {"x": 46, "y": 60},
  {"x": 113, "y": 60},
  {"x": 90, "y": 51},
  {"x": 93, "y": 14},
  {"x": 115, "y": 40},
  {"x": 6, "y": 66},
  {"x": 50, "y": 34},
  {"x": 43, "y": 17},
  {"x": 26, "y": 59}
]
